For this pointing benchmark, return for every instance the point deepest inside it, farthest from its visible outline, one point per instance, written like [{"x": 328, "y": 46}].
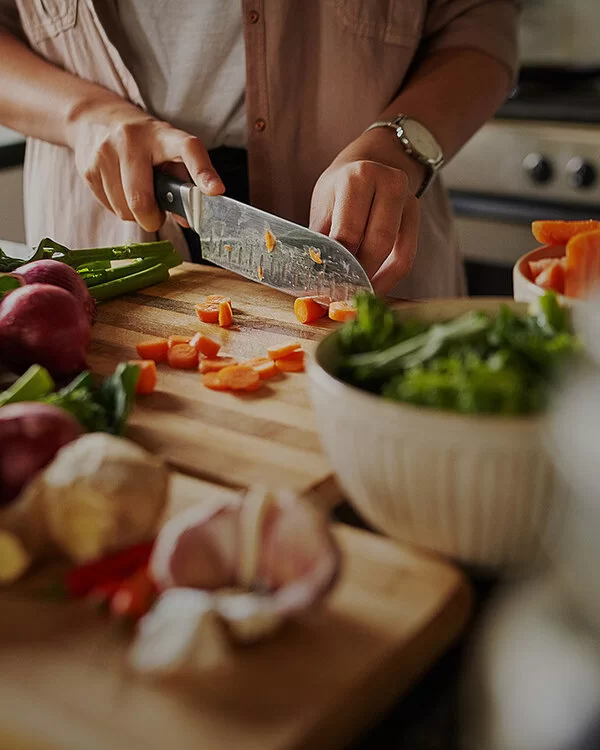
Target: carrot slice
[
  {"x": 560, "y": 232},
  {"x": 270, "y": 241},
  {"x": 214, "y": 381},
  {"x": 537, "y": 266},
  {"x": 583, "y": 264},
  {"x": 147, "y": 378},
  {"x": 266, "y": 369},
  {"x": 294, "y": 362},
  {"x": 225, "y": 314},
  {"x": 308, "y": 309},
  {"x": 205, "y": 346},
  {"x": 240, "y": 377},
  {"x": 207, "y": 312},
  {"x": 277, "y": 352},
  {"x": 183, "y": 357},
  {"x": 552, "y": 277},
  {"x": 174, "y": 340},
  {"x": 216, "y": 364},
  {"x": 155, "y": 349},
  {"x": 255, "y": 387},
  {"x": 341, "y": 311},
  {"x": 315, "y": 256},
  {"x": 214, "y": 299}
]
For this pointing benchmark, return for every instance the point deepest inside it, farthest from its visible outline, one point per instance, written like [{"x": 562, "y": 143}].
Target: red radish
[
  {"x": 30, "y": 436},
  {"x": 59, "y": 274},
  {"x": 44, "y": 325}
]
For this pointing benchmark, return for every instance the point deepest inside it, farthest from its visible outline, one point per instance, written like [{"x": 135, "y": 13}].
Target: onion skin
[
  {"x": 44, "y": 325},
  {"x": 55, "y": 273},
  {"x": 30, "y": 436}
]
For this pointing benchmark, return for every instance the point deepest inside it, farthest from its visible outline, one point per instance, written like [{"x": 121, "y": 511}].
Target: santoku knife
[{"x": 263, "y": 247}]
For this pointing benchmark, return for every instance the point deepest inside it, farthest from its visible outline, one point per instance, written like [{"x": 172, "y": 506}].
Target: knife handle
[{"x": 171, "y": 193}]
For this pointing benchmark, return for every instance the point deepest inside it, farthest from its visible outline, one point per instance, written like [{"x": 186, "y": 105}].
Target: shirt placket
[{"x": 257, "y": 102}]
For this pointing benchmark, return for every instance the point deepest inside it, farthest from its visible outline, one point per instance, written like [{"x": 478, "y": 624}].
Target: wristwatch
[{"x": 418, "y": 142}]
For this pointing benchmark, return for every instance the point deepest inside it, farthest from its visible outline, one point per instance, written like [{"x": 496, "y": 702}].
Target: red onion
[
  {"x": 59, "y": 274},
  {"x": 44, "y": 325},
  {"x": 30, "y": 436}
]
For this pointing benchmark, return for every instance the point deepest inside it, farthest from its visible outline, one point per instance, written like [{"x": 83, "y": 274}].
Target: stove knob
[
  {"x": 538, "y": 168},
  {"x": 580, "y": 173}
]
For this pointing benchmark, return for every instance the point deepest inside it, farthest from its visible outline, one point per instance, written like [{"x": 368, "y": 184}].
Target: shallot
[{"x": 55, "y": 273}]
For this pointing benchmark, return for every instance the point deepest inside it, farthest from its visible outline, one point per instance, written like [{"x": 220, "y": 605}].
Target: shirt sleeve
[
  {"x": 9, "y": 18},
  {"x": 490, "y": 26}
]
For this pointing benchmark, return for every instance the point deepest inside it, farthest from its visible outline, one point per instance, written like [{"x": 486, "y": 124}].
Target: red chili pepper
[
  {"x": 115, "y": 567},
  {"x": 102, "y": 594},
  {"x": 135, "y": 596}
]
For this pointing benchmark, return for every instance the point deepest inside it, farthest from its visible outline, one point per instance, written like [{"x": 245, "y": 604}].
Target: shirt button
[
  {"x": 253, "y": 16},
  {"x": 260, "y": 125}
]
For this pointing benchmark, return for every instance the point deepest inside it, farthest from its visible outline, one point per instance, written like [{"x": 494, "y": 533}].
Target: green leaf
[
  {"x": 9, "y": 282},
  {"x": 31, "y": 386},
  {"x": 117, "y": 394}
]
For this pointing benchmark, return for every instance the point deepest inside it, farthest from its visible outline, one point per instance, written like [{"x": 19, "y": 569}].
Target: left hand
[{"x": 365, "y": 200}]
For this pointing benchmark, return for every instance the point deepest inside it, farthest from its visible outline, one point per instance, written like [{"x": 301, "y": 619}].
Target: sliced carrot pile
[
  {"x": 583, "y": 264},
  {"x": 205, "y": 346},
  {"x": 553, "y": 277},
  {"x": 174, "y": 340},
  {"x": 147, "y": 378},
  {"x": 341, "y": 311},
  {"x": 240, "y": 378},
  {"x": 183, "y": 357},
  {"x": 207, "y": 312},
  {"x": 277, "y": 352},
  {"x": 214, "y": 381},
  {"x": 216, "y": 364},
  {"x": 560, "y": 232},
  {"x": 225, "y": 314},
  {"x": 307, "y": 309},
  {"x": 154, "y": 348},
  {"x": 293, "y": 362}
]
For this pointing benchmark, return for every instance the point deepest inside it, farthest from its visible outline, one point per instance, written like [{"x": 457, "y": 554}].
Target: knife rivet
[
  {"x": 253, "y": 16},
  {"x": 260, "y": 125},
  {"x": 170, "y": 197}
]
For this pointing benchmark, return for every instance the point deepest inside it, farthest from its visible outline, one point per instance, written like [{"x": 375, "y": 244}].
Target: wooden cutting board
[
  {"x": 269, "y": 437},
  {"x": 63, "y": 684}
]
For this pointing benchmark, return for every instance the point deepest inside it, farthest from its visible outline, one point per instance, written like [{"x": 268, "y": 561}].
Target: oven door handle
[{"x": 515, "y": 211}]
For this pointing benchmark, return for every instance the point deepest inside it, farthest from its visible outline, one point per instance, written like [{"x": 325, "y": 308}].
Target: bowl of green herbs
[{"x": 433, "y": 415}]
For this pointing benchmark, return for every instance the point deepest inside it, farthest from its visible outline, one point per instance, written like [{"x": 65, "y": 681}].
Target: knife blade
[{"x": 263, "y": 247}]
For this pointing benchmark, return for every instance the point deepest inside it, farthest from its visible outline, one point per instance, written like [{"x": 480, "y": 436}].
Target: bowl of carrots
[{"x": 567, "y": 261}]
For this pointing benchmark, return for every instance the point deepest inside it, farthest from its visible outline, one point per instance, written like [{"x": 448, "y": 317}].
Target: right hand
[{"x": 116, "y": 147}]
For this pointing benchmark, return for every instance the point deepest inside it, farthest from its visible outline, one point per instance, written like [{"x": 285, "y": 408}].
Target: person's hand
[
  {"x": 365, "y": 200},
  {"x": 116, "y": 146}
]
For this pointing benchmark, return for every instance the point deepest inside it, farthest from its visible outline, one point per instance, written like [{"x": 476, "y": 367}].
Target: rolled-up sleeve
[
  {"x": 9, "y": 17},
  {"x": 490, "y": 26}
]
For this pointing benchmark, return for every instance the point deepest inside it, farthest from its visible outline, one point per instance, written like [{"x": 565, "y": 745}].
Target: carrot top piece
[
  {"x": 174, "y": 340},
  {"x": 147, "y": 378},
  {"x": 560, "y": 232},
  {"x": 282, "y": 350},
  {"x": 293, "y": 362},
  {"x": 307, "y": 309},
  {"x": 225, "y": 314},
  {"x": 341, "y": 311},
  {"x": 154, "y": 348},
  {"x": 183, "y": 357},
  {"x": 240, "y": 378},
  {"x": 207, "y": 312},
  {"x": 205, "y": 346}
]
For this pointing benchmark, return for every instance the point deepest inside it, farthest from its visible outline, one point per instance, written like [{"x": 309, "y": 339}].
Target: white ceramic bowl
[
  {"x": 524, "y": 288},
  {"x": 475, "y": 488}
]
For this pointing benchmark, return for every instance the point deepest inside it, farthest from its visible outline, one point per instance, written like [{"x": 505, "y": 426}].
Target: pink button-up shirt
[{"x": 318, "y": 73}]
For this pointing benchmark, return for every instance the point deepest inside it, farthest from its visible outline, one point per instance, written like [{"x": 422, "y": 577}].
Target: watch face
[{"x": 421, "y": 139}]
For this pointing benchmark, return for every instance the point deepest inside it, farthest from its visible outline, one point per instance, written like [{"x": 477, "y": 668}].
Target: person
[{"x": 105, "y": 91}]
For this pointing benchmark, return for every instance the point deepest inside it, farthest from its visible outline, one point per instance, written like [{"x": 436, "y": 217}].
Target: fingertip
[{"x": 209, "y": 182}]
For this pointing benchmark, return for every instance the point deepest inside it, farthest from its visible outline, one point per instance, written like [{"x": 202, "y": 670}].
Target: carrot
[
  {"x": 266, "y": 369},
  {"x": 205, "y": 346},
  {"x": 270, "y": 241},
  {"x": 537, "y": 266},
  {"x": 552, "y": 277},
  {"x": 135, "y": 595},
  {"x": 214, "y": 381},
  {"x": 315, "y": 256},
  {"x": 255, "y": 387},
  {"x": 225, "y": 314},
  {"x": 560, "y": 232},
  {"x": 147, "y": 378},
  {"x": 175, "y": 340},
  {"x": 216, "y": 364},
  {"x": 240, "y": 377},
  {"x": 293, "y": 362},
  {"x": 278, "y": 351},
  {"x": 183, "y": 357},
  {"x": 207, "y": 312},
  {"x": 214, "y": 299},
  {"x": 308, "y": 309},
  {"x": 341, "y": 311},
  {"x": 583, "y": 264},
  {"x": 155, "y": 348}
]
